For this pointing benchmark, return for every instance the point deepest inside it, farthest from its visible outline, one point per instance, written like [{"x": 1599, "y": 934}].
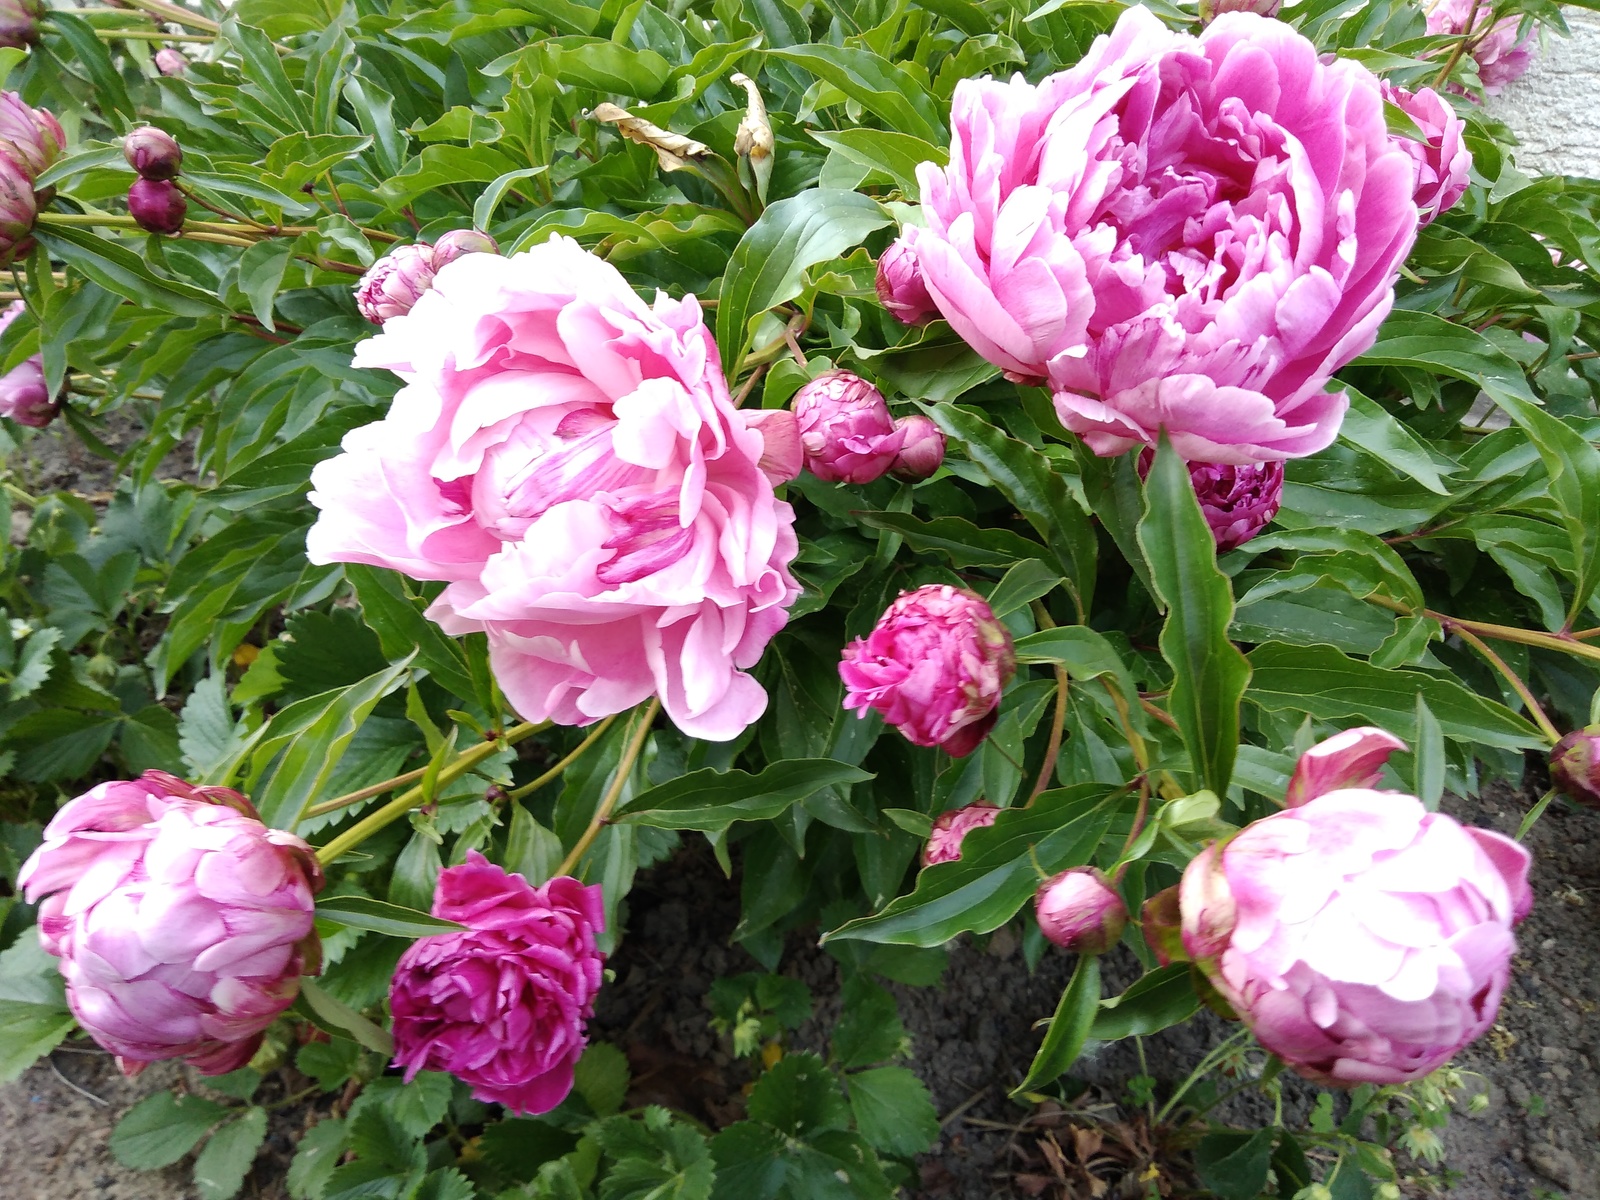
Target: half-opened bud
[
  {"x": 900, "y": 286},
  {"x": 922, "y": 450},
  {"x": 1080, "y": 911},
  {"x": 457, "y": 242}
]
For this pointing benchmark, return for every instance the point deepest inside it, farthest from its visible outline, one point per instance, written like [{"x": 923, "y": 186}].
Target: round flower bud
[
  {"x": 157, "y": 205},
  {"x": 183, "y": 924},
  {"x": 845, "y": 428},
  {"x": 934, "y": 665},
  {"x": 950, "y": 829},
  {"x": 19, "y": 23},
  {"x": 18, "y": 209},
  {"x": 395, "y": 282},
  {"x": 171, "y": 62},
  {"x": 457, "y": 242},
  {"x": 24, "y": 398},
  {"x": 1080, "y": 911},
  {"x": 501, "y": 1005},
  {"x": 900, "y": 286},
  {"x": 31, "y": 137},
  {"x": 1575, "y": 766},
  {"x": 921, "y": 451},
  {"x": 152, "y": 152}
]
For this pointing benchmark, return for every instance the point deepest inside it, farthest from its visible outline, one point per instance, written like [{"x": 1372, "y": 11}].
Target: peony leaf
[
  {"x": 1069, "y": 1028},
  {"x": 363, "y": 912},
  {"x": 342, "y": 1017},
  {"x": 882, "y": 88},
  {"x": 710, "y": 801},
  {"x": 1155, "y": 1001},
  {"x": 896, "y": 154}
]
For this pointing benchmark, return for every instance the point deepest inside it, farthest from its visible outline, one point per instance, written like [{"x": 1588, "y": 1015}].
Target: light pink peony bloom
[
  {"x": 1501, "y": 56},
  {"x": 30, "y": 137},
  {"x": 846, "y": 430},
  {"x": 23, "y": 395},
  {"x": 501, "y": 1006},
  {"x": 922, "y": 450},
  {"x": 566, "y": 457},
  {"x": 900, "y": 286},
  {"x": 950, "y": 829},
  {"x": 1443, "y": 163},
  {"x": 1362, "y": 938},
  {"x": 183, "y": 924},
  {"x": 934, "y": 665},
  {"x": 1179, "y": 232},
  {"x": 1080, "y": 911}
]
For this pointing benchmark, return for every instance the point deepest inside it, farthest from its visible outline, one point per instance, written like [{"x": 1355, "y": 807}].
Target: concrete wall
[{"x": 1555, "y": 108}]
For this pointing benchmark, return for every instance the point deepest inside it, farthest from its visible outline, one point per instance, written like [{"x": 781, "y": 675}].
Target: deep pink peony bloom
[
  {"x": 846, "y": 430},
  {"x": 157, "y": 205},
  {"x": 568, "y": 459},
  {"x": 23, "y": 395},
  {"x": 934, "y": 666},
  {"x": 950, "y": 829},
  {"x": 502, "y": 1005},
  {"x": 153, "y": 153},
  {"x": 1575, "y": 766},
  {"x": 183, "y": 924},
  {"x": 1238, "y": 502},
  {"x": 1501, "y": 56},
  {"x": 1179, "y": 232},
  {"x": 1080, "y": 911},
  {"x": 1362, "y": 938},
  {"x": 921, "y": 450},
  {"x": 900, "y": 286},
  {"x": 30, "y": 137},
  {"x": 1443, "y": 163}
]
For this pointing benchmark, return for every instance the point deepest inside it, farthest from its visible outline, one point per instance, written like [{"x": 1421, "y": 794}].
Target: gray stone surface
[{"x": 1555, "y": 108}]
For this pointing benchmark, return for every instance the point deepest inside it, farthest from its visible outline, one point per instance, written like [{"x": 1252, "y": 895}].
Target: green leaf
[
  {"x": 118, "y": 269},
  {"x": 33, "y": 1009},
  {"x": 601, "y": 1077},
  {"x": 1428, "y": 752},
  {"x": 893, "y": 1110},
  {"x": 1021, "y": 585},
  {"x": 220, "y": 1169},
  {"x": 1085, "y": 653},
  {"x": 161, "y": 1129},
  {"x": 769, "y": 263},
  {"x": 1209, "y": 673},
  {"x": 799, "y": 1097},
  {"x": 656, "y": 1158},
  {"x": 532, "y": 850},
  {"x": 1069, "y": 1028},
  {"x": 1234, "y": 1165},
  {"x": 710, "y": 801},
  {"x": 393, "y": 615},
  {"x": 878, "y": 85},
  {"x": 965, "y": 544},
  {"x": 416, "y": 1106},
  {"x": 869, "y": 1029},
  {"x": 363, "y": 912},
  {"x": 896, "y": 154},
  {"x": 261, "y": 270},
  {"x": 1372, "y": 429},
  {"x": 345, "y": 1019},
  {"x": 1417, "y": 339},
  {"x": 1155, "y": 1001},
  {"x": 315, "y": 1156}
]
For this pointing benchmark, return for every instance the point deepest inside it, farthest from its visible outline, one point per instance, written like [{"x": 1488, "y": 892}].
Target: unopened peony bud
[
  {"x": 19, "y": 23},
  {"x": 18, "y": 209},
  {"x": 1575, "y": 766},
  {"x": 23, "y": 395},
  {"x": 157, "y": 205},
  {"x": 951, "y": 829},
  {"x": 845, "y": 428},
  {"x": 1161, "y": 922},
  {"x": 183, "y": 924},
  {"x": 922, "y": 451},
  {"x": 31, "y": 137},
  {"x": 900, "y": 286},
  {"x": 934, "y": 665},
  {"x": 152, "y": 152},
  {"x": 1210, "y": 10},
  {"x": 457, "y": 242},
  {"x": 395, "y": 282},
  {"x": 171, "y": 62},
  {"x": 1080, "y": 911}
]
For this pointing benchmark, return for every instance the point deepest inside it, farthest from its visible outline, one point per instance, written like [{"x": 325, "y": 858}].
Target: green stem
[
  {"x": 406, "y": 801},
  {"x": 151, "y": 35},
  {"x": 1515, "y": 680},
  {"x": 528, "y": 789},
  {"x": 1566, "y": 642},
  {"x": 1217, "y": 1054},
  {"x": 1461, "y": 46},
  {"x": 366, "y": 793},
  {"x": 176, "y": 14},
  {"x": 618, "y": 781}
]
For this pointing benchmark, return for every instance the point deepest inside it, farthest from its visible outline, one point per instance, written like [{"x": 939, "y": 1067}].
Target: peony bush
[{"x": 925, "y": 459}]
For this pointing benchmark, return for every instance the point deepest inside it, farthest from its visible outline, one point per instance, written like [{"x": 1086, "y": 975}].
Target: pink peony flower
[
  {"x": 24, "y": 398},
  {"x": 845, "y": 428},
  {"x": 30, "y": 137},
  {"x": 1443, "y": 164},
  {"x": 1079, "y": 910},
  {"x": 566, "y": 457},
  {"x": 921, "y": 451},
  {"x": 394, "y": 283},
  {"x": 1179, "y": 232},
  {"x": 1575, "y": 766},
  {"x": 1501, "y": 56},
  {"x": 153, "y": 153},
  {"x": 502, "y": 1005},
  {"x": 1362, "y": 938},
  {"x": 934, "y": 666},
  {"x": 1238, "y": 502},
  {"x": 950, "y": 829},
  {"x": 18, "y": 209},
  {"x": 157, "y": 205},
  {"x": 900, "y": 286},
  {"x": 183, "y": 924}
]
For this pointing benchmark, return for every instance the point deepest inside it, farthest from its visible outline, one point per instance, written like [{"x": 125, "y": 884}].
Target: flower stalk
[{"x": 608, "y": 803}]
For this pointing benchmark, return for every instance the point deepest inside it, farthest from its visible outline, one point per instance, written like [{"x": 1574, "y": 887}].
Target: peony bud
[
  {"x": 31, "y": 137},
  {"x": 900, "y": 286},
  {"x": 152, "y": 152},
  {"x": 183, "y": 924},
  {"x": 934, "y": 665},
  {"x": 1080, "y": 911},
  {"x": 1161, "y": 923},
  {"x": 23, "y": 395},
  {"x": 1575, "y": 766},
  {"x": 1210, "y": 10},
  {"x": 395, "y": 282},
  {"x": 171, "y": 62},
  {"x": 922, "y": 451},
  {"x": 19, "y": 23},
  {"x": 18, "y": 208},
  {"x": 157, "y": 205},
  {"x": 951, "y": 829},
  {"x": 457, "y": 242},
  {"x": 845, "y": 428}
]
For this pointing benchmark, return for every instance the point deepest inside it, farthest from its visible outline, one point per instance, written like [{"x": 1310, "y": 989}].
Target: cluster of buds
[
  {"x": 30, "y": 142},
  {"x": 848, "y": 434},
  {"x": 398, "y": 279},
  {"x": 155, "y": 200}
]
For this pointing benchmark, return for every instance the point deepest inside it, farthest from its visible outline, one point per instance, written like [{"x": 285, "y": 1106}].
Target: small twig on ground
[{"x": 82, "y": 1091}]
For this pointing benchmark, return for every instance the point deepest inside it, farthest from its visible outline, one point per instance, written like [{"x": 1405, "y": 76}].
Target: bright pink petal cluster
[
  {"x": 183, "y": 924},
  {"x": 567, "y": 458},
  {"x": 934, "y": 665},
  {"x": 1502, "y": 57},
  {"x": 24, "y": 398},
  {"x": 1179, "y": 232},
  {"x": 950, "y": 829},
  {"x": 1080, "y": 910},
  {"x": 1442, "y": 161},
  {"x": 396, "y": 281},
  {"x": 502, "y": 1005},
  {"x": 1362, "y": 938},
  {"x": 1238, "y": 502}
]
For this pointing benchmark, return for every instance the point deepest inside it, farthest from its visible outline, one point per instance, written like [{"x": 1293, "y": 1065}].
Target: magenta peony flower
[
  {"x": 171, "y": 61},
  {"x": 934, "y": 666},
  {"x": 1501, "y": 56},
  {"x": 153, "y": 153},
  {"x": 1575, "y": 766},
  {"x": 502, "y": 1005},
  {"x": 1080, "y": 911},
  {"x": 921, "y": 450},
  {"x": 1238, "y": 502},
  {"x": 845, "y": 428},
  {"x": 950, "y": 829},
  {"x": 1362, "y": 938},
  {"x": 19, "y": 23},
  {"x": 900, "y": 286},
  {"x": 568, "y": 459},
  {"x": 1179, "y": 232},
  {"x": 24, "y": 398},
  {"x": 30, "y": 137},
  {"x": 183, "y": 924},
  {"x": 157, "y": 205},
  {"x": 395, "y": 282},
  {"x": 1443, "y": 164}
]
